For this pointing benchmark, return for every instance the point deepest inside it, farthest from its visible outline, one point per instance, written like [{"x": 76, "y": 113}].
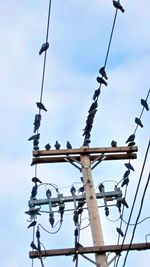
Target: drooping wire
[
  {"x": 52, "y": 233},
  {"x": 141, "y": 206},
  {"x": 132, "y": 224},
  {"x": 135, "y": 197}
]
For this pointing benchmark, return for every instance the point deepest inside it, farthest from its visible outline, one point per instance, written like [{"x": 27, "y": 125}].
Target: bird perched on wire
[
  {"x": 44, "y": 47},
  {"x": 57, "y": 145},
  {"x": 101, "y": 80},
  {"x": 144, "y": 104},
  {"x": 68, "y": 145},
  {"x": 32, "y": 224},
  {"x": 125, "y": 182},
  {"x": 96, "y": 94},
  {"x": 103, "y": 72},
  {"x": 113, "y": 143},
  {"x": 129, "y": 166},
  {"x": 48, "y": 146},
  {"x": 119, "y": 231},
  {"x": 37, "y": 122},
  {"x": 41, "y": 106},
  {"x": 36, "y": 180},
  {"x": 93, "y": 106},
  {"x": 138, "y": 122},
  {"x": 131, "y": 138},
  {"x": 118, "y": 5},
  {"x": 34, "y": 137}
]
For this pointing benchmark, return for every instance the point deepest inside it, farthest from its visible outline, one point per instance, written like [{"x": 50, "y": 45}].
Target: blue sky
[{"x": 79, "y": 33}]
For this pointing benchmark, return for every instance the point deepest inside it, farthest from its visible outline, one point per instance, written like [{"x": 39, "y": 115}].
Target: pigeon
[
  {"x": 129, "y": 166},
  {"x": 68, "y": 145},
  {"x": 101, "y": 188},
  {"x": 144, "y": 104},
  {"x": 113, "y": 143},
  {"x": 126, "y": 174},
  {"x": 131, "y": 144},
  {"x": 131, "y": 138},
  {"x": 36, "y": 180},
  {"x": 41, "y": 106},
  {"x": 48, "y": 193},
  {"x": 96, "y": 94},
  {"x": 119, "y": 231},
  {"x": 73, "y": 191},
  {"x": 57, "y": 145},
  {"x": 51, "y": 219},
  {"x": 32, "y": 245},
  {"x": 101, "y": 80},
  {"x": 81, "y": 189},
  {"x": 103, "y": 72},
  {"x": 138, "y": 122},
  {"x": 34, "y": 191},
  {"x": 93, "y": 106},
  {"x": 32, "y": 224},
  {"x": 44, "y": 47},
  {"x": 125, "y": 182},
  {"x": 118, "y": 6},
  {"x": 37, "y": 122},
  {"x": 48, "y": 146},
  {"x": 34, "y": 137}
]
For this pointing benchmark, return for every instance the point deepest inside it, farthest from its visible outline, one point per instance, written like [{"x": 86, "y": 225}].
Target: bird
[
  {"x": 131, "y": 138},
  {"x": 36, "y": 180},
  {"x": 81, "y": 189},
  {"x": 119, "y": 231},
  {"x": 138, "y": 122},
  {"x": 125, "y": 182},
  {"x": 129, "y": 166},
  {"x": 32, "y": 245},
  {"x": 73, "y": 190},
  {"x": 131, "y": 144},
  {"x": 101, "y": 188},
  {"x": 34, "y": 137},
  {"x": 41, "y": 106},
  {"x": 48, "y": 146},
  {"x": 32, "y": 224},
  {"x": 96, "y": 94},
  {"x": 37, "y": 122},
  {"x": 93, "y": 106},
  {"x": 44, "y": 47},
  {"x": 113, "y": 143},
  {"x": 101, "y": 80},
  {"x": 57, "y": 145},
  {"x": 126, "y": 174},
  {"x": 103, "y": 72},
  {"x": 144, "y": 104},
  {"x": 34, "y": 191},
  {"x": 68, "y": 145},
  {"x": 118, "y": 6},
  {"x": 48, "y": 193}
]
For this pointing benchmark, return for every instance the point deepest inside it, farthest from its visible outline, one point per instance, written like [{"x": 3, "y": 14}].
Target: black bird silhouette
[
  {"x": 57, "y": 145},
  {"x": 34, "y": 191},
  {"x": 129, "y": 166},
  {"x": 36, "y": 180},
  {"x": 144, "y": 104},
  {"x": 68, "y": 145},
  {"x": 119, "y": 231},
  {"x": 103, "y": 72},
  {"x": 81, "y": 189},
  {"x": 48, "y": 146},
  {"x": 131, "y": 138},
  {"x": 44, "y": 47},
  {"x": 93, "y": 106},
  {"x": 131, "y": 144},
  {"x": 126, "y": 174},
  {"x": 37, "y": 122},
  {"x": 32, "y": 224},
  {"x": 34, "y": 137},
  {"x": 118, "y": 6},
  {"x": 138, "y": 122},
  {"x": 96, "y": 94},
  {"x": 101, "y": 80},
  {"x": 125, "y": 182},
  {"x": 101, "y": 188},
  {"x": 41, "y": 106},
  {"x": 113, "y": 143},
  {"x": 32, "y": 245},
  {"x": 73, "y": 191}
]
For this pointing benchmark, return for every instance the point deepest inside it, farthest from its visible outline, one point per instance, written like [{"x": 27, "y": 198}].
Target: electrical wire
[
  {"x": 49, "y": 231},
  {"x": 132, "y": 224},
  {"x": 135, "y": 197}
]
